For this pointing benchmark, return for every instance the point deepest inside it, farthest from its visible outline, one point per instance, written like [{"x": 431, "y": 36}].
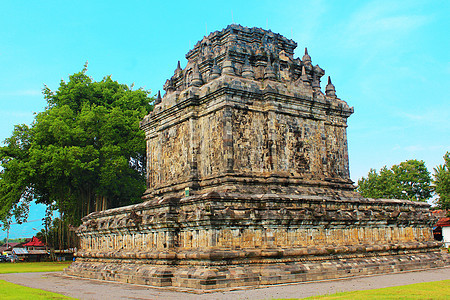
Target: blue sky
[{"x": 388, "y": 59}]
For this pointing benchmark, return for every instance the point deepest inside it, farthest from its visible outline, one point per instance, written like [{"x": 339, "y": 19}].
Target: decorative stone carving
[
  {"x": 269, "y": 72},
  {"x": 247, "y": 70},
  {"x": 158, "y": 98},
  {"x": 215, "y": 72}
]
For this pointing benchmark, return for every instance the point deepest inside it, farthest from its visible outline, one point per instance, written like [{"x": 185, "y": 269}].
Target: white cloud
[
  {"x": 435, "y": 116},
  {"x": 378, "y": 26},
  {"x": 413, "y": 117},
  {"x": 383, "y": 17}
]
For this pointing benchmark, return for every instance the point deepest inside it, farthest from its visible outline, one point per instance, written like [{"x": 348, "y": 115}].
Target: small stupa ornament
[{"x": 330, "y": 90}]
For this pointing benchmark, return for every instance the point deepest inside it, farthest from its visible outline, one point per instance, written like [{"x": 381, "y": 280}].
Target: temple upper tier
[{"x": 245, "y": 115}]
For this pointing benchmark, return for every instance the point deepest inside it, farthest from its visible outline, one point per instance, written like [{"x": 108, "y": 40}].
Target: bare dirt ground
[{"x": 94, "y": 289}]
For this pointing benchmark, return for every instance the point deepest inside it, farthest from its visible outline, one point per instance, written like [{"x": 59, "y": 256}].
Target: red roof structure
[
  {"x": 443, "y": 222},
  {"x": 35, "y": 242}
]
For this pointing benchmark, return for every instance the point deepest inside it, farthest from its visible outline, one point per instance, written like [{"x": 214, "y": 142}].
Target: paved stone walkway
[{"x": 93, "y": 289}]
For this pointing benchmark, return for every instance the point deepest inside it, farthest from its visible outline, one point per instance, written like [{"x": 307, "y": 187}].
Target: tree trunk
[
  {"x": 104, "y": 203},
  {"x": 88, "y": 208},
  {"x": 60, "y": 231}
]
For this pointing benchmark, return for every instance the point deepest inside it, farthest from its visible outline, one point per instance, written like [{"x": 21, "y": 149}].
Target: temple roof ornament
[
  {"x": 227, "y": 66},
  {"x": 178, "y": 69},
  {"x": 168, "y": 86},
  {"x": 304, "y": 76},
  {"x": 306, "y": 58},
  {"x": 215, "y": 72},
  {"x": 247, "y": 70},
  {"x": 196, "y": 77},
  {"x": 158, "y": 98},
  {"x": 251, "y": 53},
  {"x": 269, "y": 73},
  {"x": 330, "y": 90}
]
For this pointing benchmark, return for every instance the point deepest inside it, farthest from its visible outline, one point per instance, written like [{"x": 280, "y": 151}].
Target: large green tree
[
  {"x": 410, "y": 180},
  {"x": 85, "y": 152},
  {"x": 442, "y": 182}
]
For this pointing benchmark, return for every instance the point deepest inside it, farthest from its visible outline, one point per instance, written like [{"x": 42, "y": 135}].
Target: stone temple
[{"x": 248, "y": 182}]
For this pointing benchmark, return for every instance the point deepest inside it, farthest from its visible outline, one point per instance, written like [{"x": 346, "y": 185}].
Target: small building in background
[
  {"x": 34, "y": 244},
  {"x": 6, "y": 249},
  {"x": 20, "y": 253},
  {"x": 441, "y": 231},
  {"x": 32, "y": 250},
  {"x": 37, "y": 250}
]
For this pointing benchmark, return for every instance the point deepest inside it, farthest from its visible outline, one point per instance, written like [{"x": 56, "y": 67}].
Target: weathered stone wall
[
  {"x": 232, "y": 222},
  {"x": 240, "y": 239},
  {"x": 261, "y": 237},
  {"x": 170, "y": 157},
  {"x": 235, "y": 142},
  {"x": 252, "y": 151},
  {"x": 210, "y": 145}
]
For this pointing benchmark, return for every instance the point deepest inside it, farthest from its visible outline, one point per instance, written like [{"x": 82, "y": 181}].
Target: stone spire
[
  {"x": 306, "y": 58},
  {"x": 158, "y": 98},
  {"x": 304, "y": 76},
  {"x": 227, "y": 65},
  {"x": 196, "y": 76},
  {"x": 315, "y": 81},
  {"x": 269, "y": 73},
  {"x": 215, "y": 72},
  {"x": 178, "y": 69},
  {"x": 168, "y": 86},
  {"x": 247, "y": 70},
  {"x": 330, "y": 91}
]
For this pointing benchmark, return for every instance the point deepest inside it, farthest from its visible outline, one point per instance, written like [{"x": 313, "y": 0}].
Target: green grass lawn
[
  {"x": 426, "y": 290},
  {"x": 26, "y": 267},
  {"x": 15, "y": 291}
]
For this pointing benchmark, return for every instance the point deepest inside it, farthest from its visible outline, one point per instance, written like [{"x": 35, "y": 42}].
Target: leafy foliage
[
  {"x": 85, "y": 152},
  {"x": 17, "y": 240},
  {"x": 442, "y": 182},
  {"x": 410, "y": 180}
]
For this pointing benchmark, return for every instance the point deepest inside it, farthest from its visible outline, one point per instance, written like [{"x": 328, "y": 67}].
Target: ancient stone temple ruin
[{"x": 248, "y": 182}]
